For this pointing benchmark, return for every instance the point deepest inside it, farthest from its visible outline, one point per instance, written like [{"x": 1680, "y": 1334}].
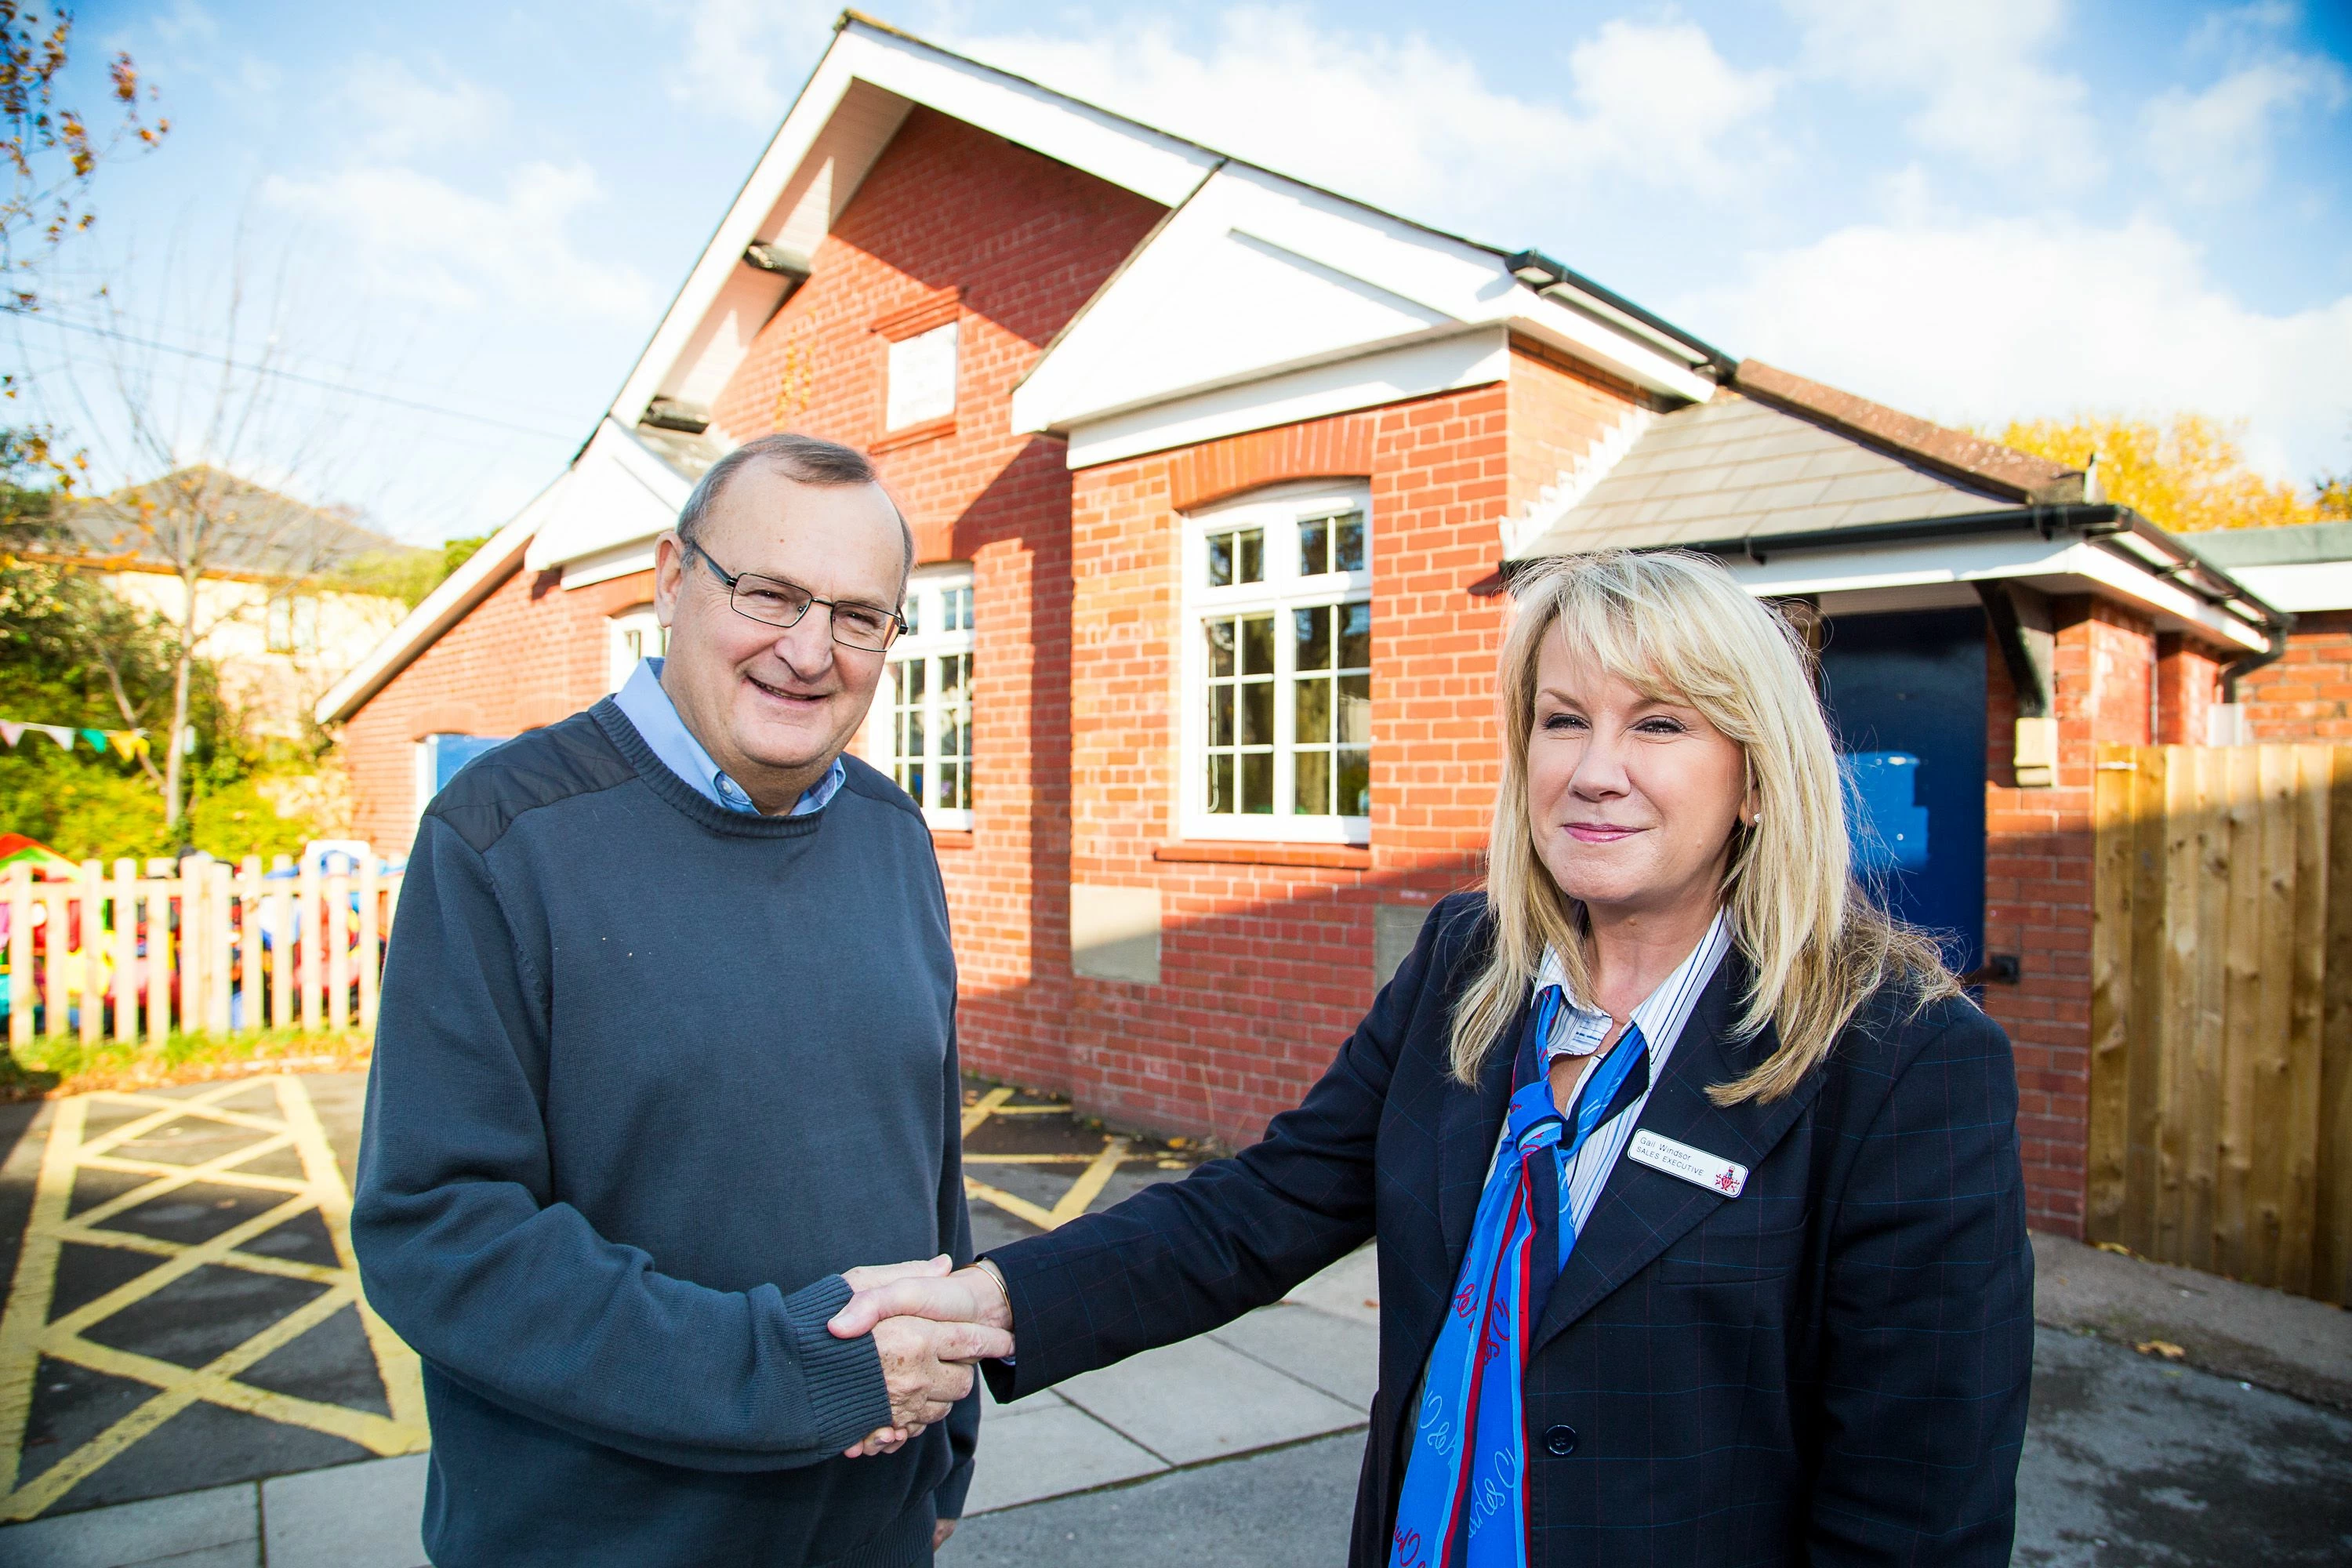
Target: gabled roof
[
  {"x": 249, "y": 529},
  {"x": 1774, "y": 455}
]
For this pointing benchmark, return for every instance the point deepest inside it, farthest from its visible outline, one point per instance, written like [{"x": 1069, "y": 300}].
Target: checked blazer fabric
[{"x": 1830, "y": 1369}]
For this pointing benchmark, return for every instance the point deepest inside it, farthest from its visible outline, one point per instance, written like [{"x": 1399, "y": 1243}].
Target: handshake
[{"x": 931, "y": 1323}]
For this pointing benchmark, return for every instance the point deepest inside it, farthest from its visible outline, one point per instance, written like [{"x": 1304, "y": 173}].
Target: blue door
[{"x": 1906, "y": 697}]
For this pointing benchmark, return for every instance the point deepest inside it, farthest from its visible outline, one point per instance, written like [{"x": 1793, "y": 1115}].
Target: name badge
[{"x": 1712, "y": 1172}]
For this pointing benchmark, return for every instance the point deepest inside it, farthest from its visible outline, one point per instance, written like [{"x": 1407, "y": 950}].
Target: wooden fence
[
  {"x": 219, "y": 949},
  {"x": 2221, "y": 1117}
]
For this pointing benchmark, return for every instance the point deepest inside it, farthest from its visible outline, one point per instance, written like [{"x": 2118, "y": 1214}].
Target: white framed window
[
  {"x": 1276, "y": 667},
  {"x": 634, "y": 634},
  {"x": 920, "y": 731},
  {"x": 922, "y": 378}
]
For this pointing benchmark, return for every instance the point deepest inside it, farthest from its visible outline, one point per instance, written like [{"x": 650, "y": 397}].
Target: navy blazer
[{"x": 1831, "y": 1368}]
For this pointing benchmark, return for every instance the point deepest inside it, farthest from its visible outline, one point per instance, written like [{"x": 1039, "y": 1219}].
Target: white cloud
[
  {"x": 419, "y": 237},
  {"x": 1412, "y": 126},
  {"x": 1986, "y": 320},
  {"x": 407, "y": 115},
  {"x": 2215, "y": 145},
  {"x": 736, "y": 52},
  {"x": 1976, "y": 66}
]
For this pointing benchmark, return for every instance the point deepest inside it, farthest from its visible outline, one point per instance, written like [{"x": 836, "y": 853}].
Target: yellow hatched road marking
[
  {"x": 1100, "y": 1166},
  {"x": 27, "y": 1334}
]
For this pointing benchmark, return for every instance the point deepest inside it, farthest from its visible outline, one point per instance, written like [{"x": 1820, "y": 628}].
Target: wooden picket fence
[
  {"x": 2221, "y": 1117},
  {"x": 219, "y": 949}
]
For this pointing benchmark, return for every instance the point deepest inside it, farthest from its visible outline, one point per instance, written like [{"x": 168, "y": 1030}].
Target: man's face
[{"x": 775, "y": 705}]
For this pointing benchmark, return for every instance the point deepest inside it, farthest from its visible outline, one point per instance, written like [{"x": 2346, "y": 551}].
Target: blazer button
[{"x": 1560, "y": 1442}]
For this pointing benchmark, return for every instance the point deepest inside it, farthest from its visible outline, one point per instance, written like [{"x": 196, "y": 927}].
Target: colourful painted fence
[{"x": 217, "y": 949}]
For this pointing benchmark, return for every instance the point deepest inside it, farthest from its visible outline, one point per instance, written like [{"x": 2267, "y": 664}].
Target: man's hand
[
  {"x": 916, "y": 1310},
  {"x": 941, "y": 1532}
]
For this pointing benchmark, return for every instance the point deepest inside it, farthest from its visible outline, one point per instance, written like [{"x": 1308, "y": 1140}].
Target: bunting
[{"x": 125, "y": 742}]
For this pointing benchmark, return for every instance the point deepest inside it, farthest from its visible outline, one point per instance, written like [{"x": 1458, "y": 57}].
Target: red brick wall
[
  {"x": 2038, "y": 871},
  {"x": 1560, "y": 408},
  {"x": 2188, "y": 684},
  {"x": 1265, "y": 965},
  {"x": 1013, "y": 244},
  {"x": 527, "y": 655},
  {"x": 2306, "y": 695},
  {"x": 951, "y": 216}
]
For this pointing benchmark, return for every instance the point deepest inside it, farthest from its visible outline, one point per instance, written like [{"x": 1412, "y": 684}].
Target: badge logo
[{"x": 1712, "y": 1172}]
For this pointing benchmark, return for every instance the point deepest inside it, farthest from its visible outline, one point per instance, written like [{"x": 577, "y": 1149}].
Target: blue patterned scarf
[{"x": 1462, "y": 1505}]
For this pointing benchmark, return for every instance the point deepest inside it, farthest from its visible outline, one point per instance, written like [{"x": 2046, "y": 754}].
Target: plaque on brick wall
[
  {"x": 1395, "y": 928},
  {"x": 1115, "y": 933}
]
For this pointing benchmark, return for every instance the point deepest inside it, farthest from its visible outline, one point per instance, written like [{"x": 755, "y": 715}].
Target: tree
[
  {"x": 2188, "y": 475},
  {"x": 51, "y": 153}
]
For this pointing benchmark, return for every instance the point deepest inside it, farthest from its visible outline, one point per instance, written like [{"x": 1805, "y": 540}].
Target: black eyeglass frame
[{"x": 897, "y": 622}]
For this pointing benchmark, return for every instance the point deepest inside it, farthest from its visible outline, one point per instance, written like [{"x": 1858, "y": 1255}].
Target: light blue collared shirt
[{"x": 648, "y": 707}]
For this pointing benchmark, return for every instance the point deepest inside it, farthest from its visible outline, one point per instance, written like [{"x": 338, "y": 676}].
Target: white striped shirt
[{"x": 1579, "y": 1031}]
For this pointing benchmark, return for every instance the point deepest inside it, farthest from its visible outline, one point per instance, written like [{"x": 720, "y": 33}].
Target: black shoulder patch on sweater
[
  {"x": 537, "y": 767},
  {"x": 874, "y": 784}
]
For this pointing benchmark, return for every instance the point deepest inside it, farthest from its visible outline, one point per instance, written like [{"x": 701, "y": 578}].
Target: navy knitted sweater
[{"x": 648, "y": 1075}]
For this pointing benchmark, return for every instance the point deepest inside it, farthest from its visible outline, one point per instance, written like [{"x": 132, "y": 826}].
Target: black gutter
[{"x": 1723, "y": 364}]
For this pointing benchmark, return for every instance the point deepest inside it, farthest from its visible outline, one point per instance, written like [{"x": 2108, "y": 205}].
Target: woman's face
[{"x": 1631, "y": 801}]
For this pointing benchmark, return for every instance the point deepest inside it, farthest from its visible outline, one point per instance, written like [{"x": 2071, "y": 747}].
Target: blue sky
[{"x": 1972, "y": 209}]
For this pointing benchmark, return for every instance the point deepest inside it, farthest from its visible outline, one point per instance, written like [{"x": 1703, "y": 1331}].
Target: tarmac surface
[{"x": 187, "y": 1376}]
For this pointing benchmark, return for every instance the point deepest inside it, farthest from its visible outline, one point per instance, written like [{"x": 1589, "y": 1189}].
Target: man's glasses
[{"x": 777, "y": 603}]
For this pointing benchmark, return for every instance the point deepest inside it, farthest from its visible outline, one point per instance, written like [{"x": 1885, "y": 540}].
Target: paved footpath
[{"x": 170, "y": 1401}]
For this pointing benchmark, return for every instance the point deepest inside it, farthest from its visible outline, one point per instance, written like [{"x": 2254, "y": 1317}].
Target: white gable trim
[
  {"x": 618, "y": 492},
  {"x": 1367, "y": 381},
  {"x": 1258, "y": 276},
  {"x": 1152, "y": 164}
]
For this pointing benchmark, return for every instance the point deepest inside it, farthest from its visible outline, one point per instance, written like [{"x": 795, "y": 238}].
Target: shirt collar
[
  {"x": 648, "y": 707},
  {"x": 1659, "y": 1016}
]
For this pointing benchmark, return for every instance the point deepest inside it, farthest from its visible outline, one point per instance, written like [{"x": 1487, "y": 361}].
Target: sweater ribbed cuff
[{"x": 847, "y": 1394}]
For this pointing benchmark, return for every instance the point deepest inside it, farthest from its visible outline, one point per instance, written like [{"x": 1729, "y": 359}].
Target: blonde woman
[{"x": 1696, "y": 1179}]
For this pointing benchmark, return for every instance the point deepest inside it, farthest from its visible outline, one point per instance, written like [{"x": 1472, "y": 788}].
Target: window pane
[
  {"x": 1314, "y": 704},
  {"x": 1220, "y": 715},
  {"x": 951, "y": 787},
  {"x": 1220, "y": 783},
  {"x": 1355, "y": 636},
  {"x": 1355, "y": 783},
  {"x": 1221, "y": 647},
  {"x": 1251, "y": 548},
  {"x": 1314, "y": 547},
  {"x": 1348, "y": 542},
  {"x": 911, "y": 612},
  {"x": 954, "y": 669},
  {"x": 1258, "y": 784},
  {"x": 959, "y": 607},
  {"x": 1313, "y": 630},
  {"x": 914, "y": 670},
  {"x": 1312, "y": 795},
  {"x": 1257, "y": 645},
  {"x": 1355, "y": 709},
  {"x": 1257, "y": 713},
  {"x": 1221, "y": 560}
]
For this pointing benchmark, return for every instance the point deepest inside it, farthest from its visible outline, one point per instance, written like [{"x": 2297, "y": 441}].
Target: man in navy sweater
[{"x": 666, "y": 1044}]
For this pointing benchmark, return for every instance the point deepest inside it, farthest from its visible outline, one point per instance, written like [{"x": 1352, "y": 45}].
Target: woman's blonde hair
[{"x": 1675, "y": 627}]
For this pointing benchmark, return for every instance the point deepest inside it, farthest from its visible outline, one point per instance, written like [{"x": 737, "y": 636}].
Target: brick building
[{"x": 1216, "y": 480}]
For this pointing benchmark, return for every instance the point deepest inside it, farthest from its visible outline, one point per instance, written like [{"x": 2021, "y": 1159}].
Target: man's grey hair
[{"x": 805, "y": 459}]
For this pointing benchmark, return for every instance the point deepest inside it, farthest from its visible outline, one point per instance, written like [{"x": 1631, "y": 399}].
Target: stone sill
[{"x": 1238, "y": 852}]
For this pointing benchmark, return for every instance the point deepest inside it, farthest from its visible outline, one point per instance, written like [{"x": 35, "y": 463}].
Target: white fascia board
[
  {"x": 2303, "y": 586},
  {"x": 611, "y": 564},
  {"x": 1258, "y": 276},
  {"x": 1157, "y": 166},
  {"x": 620, "y": 492},
  {"x": 2056, "y": 566},
  {"x": 448, "y": 603},
  {"x": 1368, "y": 381}
]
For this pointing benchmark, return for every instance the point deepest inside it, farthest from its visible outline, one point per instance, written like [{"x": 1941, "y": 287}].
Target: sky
[{"x": 450, "y": 228}]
